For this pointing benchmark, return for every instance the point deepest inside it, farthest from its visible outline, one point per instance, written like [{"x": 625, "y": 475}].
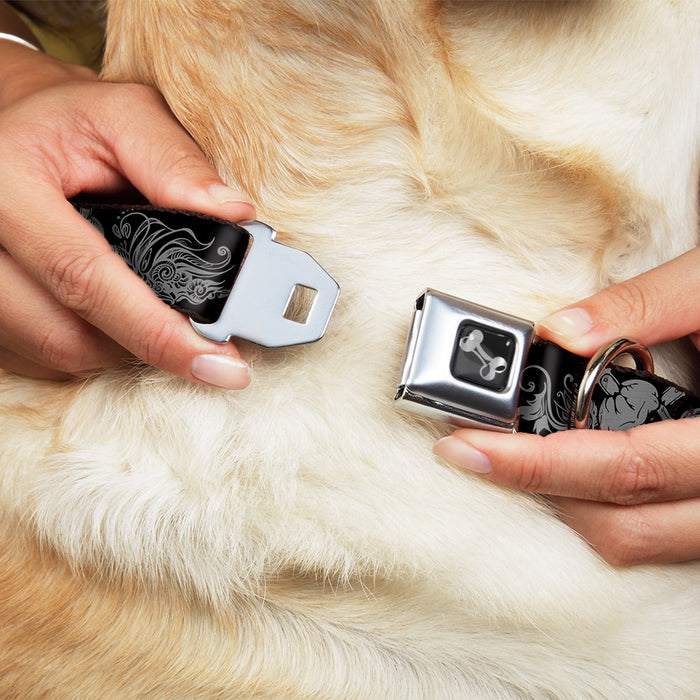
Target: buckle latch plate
[{"x": 257, "y": 305}]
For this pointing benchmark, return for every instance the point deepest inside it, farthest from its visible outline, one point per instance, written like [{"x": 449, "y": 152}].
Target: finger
[
  {"x": 17, "y": 364},
  {"x": 35, "y": 326},
  {"x": 659, "y": 305},
  {"x": 655, "y": 462},
  {"x": 157, "y": 155},
  {"x": 80, "y": 270},
  {"x": 644, "y": 534},
  {"x": 100, "y": 135}
]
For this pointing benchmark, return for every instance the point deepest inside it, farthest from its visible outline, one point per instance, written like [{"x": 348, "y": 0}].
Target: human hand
[
  {"x": 634, "y": 495},
  {"x": 68, "y": 304}
]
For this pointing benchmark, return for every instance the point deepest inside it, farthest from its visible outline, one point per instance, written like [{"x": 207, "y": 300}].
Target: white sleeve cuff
[{"x": 17, "y": 40}]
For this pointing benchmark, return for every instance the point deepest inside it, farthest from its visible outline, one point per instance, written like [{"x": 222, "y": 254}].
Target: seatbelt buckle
[
  {"x": 230, "y": 279},
  {"x": 272, "y": 278},
  {"x": 463, "y": 363}
]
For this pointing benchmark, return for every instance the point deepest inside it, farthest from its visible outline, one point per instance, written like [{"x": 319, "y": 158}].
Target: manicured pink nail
[
  {"x": 226, "y": 195},
  {"x": 463, "y": 455},
  {"x": 569, "y": 323},
  {"x": 221, "y": 370}
]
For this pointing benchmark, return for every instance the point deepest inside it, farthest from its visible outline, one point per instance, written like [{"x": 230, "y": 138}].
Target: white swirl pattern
[
  {"x": 547, "y": 412},
  {"x": 176, "y": 263},
  {"x": 621, "y": 404}
]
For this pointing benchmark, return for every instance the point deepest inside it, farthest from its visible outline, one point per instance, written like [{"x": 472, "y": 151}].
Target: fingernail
[
  {"x": 569, "y": 323},
  {"x": 225, "y": 195},
  {"x": 463, "y": 455},
  {"x": 221, "y": 370}
]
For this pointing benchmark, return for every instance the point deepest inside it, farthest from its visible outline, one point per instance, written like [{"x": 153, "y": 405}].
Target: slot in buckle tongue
[{"x": 256, "y": 308}]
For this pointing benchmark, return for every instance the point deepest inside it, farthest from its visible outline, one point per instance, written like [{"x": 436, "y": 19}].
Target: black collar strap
[
  {"x": 476, "y": 367},
  {"x": 230, "y": 279},
  {"x": 464, "y": 363}
]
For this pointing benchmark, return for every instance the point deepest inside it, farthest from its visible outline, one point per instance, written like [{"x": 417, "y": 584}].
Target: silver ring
[{"x": 597, "y": 364}]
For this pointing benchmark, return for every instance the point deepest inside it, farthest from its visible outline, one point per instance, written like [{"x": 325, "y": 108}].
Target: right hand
[
  {"x": 68, "y": 304},
  {"x": 634, "y": 495}
]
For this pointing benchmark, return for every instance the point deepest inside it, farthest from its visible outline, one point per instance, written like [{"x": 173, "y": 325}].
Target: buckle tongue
[
  {"x": 256, "y": 308},
  {"x": 463, "y": 363}
]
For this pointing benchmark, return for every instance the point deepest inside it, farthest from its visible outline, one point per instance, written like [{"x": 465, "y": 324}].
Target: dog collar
[
  {"x": 476, "y": 367},
  {"x": 230, "y": 279}
]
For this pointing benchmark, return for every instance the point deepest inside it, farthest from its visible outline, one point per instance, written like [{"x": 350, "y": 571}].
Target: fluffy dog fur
[{"x": 298, "y": 539}]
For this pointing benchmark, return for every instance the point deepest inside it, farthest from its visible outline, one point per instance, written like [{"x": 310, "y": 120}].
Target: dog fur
[{"x": 298, "y": 539}]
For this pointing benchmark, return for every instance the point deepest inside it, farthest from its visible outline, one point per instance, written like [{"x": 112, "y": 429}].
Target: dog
[{"x": 299, "y": 539}]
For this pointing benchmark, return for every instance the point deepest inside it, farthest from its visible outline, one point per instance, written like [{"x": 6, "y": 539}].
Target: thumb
[{"x": 659, "y": 305}]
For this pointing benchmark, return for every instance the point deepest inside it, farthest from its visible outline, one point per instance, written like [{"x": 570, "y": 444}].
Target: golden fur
[{"x": 298, "y": 539}]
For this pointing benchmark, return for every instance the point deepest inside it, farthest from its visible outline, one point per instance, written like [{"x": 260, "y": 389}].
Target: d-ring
[{"x": 622, "y": 346}]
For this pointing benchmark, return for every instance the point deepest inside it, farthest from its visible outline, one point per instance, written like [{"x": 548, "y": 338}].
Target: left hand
[
  {"x": 633, "y": 495},
  {"x": 69, "y": 305}
]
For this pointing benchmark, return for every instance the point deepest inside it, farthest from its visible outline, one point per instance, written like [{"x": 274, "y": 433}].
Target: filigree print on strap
[
  {"x": 622, "y": 400},
  {"x": 549, "y": 407},
  {"x": 177, "y": 264}
]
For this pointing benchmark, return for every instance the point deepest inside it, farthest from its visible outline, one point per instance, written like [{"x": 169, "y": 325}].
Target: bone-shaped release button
[{"x": 490, "y": 365}]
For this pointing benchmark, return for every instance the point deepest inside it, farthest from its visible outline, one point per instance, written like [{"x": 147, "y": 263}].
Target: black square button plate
[{"x": 483, "y": 356}]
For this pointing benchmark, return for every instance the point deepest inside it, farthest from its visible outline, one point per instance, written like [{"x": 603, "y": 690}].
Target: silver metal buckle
[
  {"x": 463, "y": 363},
  {"x": 596, "y": 366},
  {"x": 256, "y": 308}
]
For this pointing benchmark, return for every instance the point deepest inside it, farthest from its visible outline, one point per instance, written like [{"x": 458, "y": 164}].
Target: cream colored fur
[{"x": 298, "y": 539}]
